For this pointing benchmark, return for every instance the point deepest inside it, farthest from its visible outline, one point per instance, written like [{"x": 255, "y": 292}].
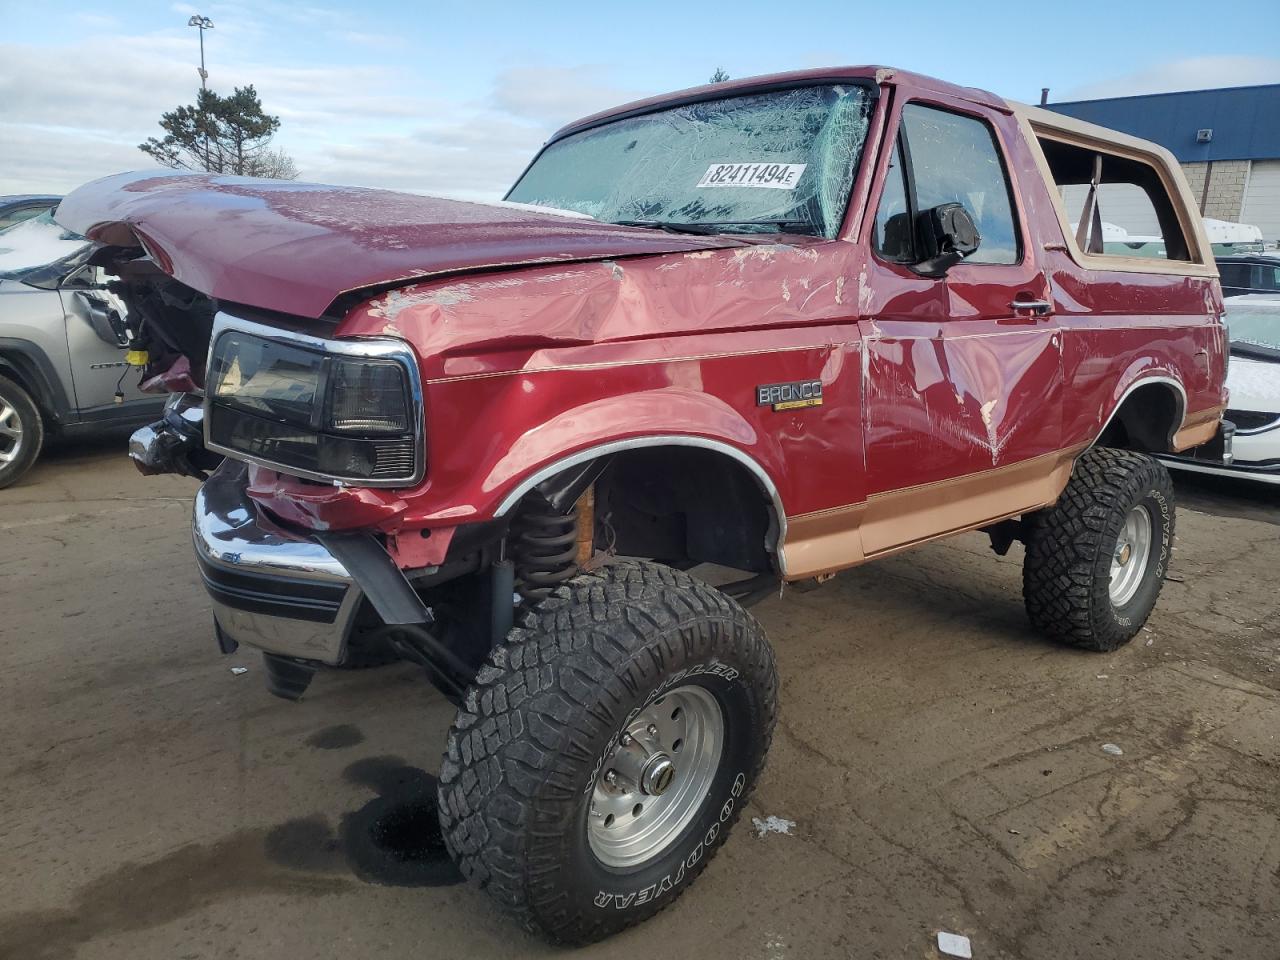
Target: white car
[{"x": 1253, "y": 379}]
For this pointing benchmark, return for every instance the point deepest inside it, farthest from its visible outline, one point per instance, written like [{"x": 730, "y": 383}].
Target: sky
[{"x": 454, "y": 99}]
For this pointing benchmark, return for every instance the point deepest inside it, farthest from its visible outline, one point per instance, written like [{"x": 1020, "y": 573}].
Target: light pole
[{"x": 202, "y": 24}]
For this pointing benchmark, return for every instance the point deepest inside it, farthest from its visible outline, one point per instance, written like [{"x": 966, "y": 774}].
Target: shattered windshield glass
[
  {"x": 766, "y": 162},
  {"x": 27, "y": 248}
]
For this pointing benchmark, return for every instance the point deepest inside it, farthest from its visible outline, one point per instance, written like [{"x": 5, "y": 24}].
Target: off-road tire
[
  {"x": 28, "y": 414},
  {"x": 546, "y": 710},
  {"x": 1066, "y": 575}
]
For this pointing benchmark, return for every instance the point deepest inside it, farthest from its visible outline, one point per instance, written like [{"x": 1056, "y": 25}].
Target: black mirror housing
[{"x": 948, "y": 234}]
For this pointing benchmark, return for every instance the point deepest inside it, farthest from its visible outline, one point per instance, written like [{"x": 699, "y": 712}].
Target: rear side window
[
  {"x": 1116, "y": 206},
  {"x": 954, "y": 158}
]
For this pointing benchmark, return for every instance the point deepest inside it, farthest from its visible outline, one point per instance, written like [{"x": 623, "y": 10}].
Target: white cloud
[
  {"x": 43, "y": 160},
  {"x": 557, "y": 95},
  {"x": 368, "y": 125},
  {"x": 1189, "y": 73}
]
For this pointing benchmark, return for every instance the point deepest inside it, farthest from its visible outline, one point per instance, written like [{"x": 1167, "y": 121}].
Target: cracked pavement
[{"x": 943, "y": 764}]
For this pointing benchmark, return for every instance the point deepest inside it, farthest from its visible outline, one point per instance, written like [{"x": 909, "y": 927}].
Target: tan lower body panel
[
  {"x": 887, "y": 522},
  {"x": 1198, "y": 428}
]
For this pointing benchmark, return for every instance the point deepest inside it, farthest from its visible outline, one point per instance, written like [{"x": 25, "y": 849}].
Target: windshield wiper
[{"x": 710, "y": 227}]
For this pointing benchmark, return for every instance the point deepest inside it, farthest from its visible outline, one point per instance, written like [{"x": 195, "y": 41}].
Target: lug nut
[
  {"x": 652, "y": 730},
  {"x": 627, "y": 740},
  {"x": 611, "y": 778}
]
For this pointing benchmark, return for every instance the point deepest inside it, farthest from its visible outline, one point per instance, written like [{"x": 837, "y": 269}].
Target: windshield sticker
[{"x": 773, "y": 176}]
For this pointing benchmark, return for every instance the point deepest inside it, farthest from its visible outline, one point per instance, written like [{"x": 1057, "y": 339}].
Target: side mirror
[
  {"x": 948, "y": 235},
  {"x": 85, "y": 278},
  {"x": 103, "y": 317}
]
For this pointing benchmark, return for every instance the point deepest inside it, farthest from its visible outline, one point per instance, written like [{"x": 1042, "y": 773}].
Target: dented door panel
[{"x": 959, "y": 383}]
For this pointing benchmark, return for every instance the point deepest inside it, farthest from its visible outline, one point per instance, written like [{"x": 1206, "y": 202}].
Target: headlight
[
  {"x": 367, "y": 397},
  {"x": 263, "y": 377},
  {"x": 326, "y": 409}
]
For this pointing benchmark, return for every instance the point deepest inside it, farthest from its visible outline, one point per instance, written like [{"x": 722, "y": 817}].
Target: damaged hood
[{"x": 297, "y": 247}]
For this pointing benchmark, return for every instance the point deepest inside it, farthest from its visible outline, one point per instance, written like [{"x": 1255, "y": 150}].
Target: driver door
[{"x": 963, "y": 379}]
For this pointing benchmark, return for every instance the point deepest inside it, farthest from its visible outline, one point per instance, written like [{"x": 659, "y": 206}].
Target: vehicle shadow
[
  {"x": 1240, "y": 499},
  {"x": 60, "y": 453}
]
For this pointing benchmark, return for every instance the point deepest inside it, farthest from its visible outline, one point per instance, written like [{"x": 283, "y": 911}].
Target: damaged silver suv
[{"x": 64, "y": 336}]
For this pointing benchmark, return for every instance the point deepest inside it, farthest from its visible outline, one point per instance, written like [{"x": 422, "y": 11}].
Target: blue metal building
[{"x": 1228, "y": 141}]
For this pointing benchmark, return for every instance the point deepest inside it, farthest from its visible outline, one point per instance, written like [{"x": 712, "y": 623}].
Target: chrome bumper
[{"x": 281, "y": 593}]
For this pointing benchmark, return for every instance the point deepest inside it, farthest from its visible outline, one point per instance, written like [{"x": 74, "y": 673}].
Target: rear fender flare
[{"x": 1134, "y": 381}]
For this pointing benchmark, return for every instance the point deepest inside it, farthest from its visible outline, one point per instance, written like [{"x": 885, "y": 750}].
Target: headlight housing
[{"x": 340, "y": 410}]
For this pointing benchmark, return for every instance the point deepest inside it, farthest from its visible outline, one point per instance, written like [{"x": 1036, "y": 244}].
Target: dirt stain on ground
[
  {"x": 141, "y": 895},
  {"x": 395, "y": 838},
  {"x": 336, "y": 737}
]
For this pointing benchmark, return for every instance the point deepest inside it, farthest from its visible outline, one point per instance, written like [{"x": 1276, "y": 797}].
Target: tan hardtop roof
[
  {"x": 1056, "y": 126},
  {"x": 1042, "y": 118}
]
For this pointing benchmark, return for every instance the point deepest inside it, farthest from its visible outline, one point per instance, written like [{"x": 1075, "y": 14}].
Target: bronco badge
[{"x": 790, "y": 396}]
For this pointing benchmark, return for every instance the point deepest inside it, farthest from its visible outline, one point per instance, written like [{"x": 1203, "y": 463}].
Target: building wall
[
  {"x": 1227, "y": 184},
  {"x": 1262, "y": 201}
]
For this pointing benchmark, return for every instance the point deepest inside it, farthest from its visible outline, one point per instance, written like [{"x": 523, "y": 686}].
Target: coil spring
[{"x": 544, "y": 549}]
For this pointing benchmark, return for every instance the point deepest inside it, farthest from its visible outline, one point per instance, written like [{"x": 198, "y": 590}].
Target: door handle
[{"x": 1039, "y": 307}]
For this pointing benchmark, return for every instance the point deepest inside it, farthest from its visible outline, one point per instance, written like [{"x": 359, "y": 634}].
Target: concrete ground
[{"x": 943, "y": 764}]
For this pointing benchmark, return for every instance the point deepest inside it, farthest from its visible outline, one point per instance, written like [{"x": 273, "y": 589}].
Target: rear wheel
[
  {"x": 21, "y": 432},
  {"x": 1096, "y": 560},
  {"x": 606, "y": 748}
]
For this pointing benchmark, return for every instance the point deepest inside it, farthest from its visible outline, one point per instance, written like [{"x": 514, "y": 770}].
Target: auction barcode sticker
[{"x": 774, "y": 176}]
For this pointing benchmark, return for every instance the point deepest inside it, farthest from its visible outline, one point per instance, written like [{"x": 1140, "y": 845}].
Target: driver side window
[{"x": 943, "y": 157}]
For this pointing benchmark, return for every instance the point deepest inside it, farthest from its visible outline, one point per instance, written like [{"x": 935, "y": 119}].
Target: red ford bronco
[{"x": 782, "y": 325}]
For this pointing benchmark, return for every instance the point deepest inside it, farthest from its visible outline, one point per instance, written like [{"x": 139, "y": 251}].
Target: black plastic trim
[
  {"x": 273, "y": 596},
  {"x": 37, "y": 373},
  {"x": 378, "y": 576}
]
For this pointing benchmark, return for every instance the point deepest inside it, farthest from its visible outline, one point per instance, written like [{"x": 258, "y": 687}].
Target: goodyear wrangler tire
[
  {"x": 1096, "y": 560},
  {"x": 606, "y": 749}
]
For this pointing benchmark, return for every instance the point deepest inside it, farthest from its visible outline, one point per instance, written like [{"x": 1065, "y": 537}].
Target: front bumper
[{"x": 280, "y": 592}]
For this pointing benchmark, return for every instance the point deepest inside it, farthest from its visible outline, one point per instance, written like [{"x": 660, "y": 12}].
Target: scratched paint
[{"x": 545, "y": 334}]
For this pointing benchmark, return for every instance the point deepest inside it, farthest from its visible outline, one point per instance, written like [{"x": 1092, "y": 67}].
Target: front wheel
[
  {"x": 1096, "y": 559},
  {"x": 21, "y": 432},
  {"x": 606, "y": 749}
]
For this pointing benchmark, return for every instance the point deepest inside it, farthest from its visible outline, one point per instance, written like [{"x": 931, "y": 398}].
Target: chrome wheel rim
[
  {"x": 656, "y": 777},
  {"x": 10, "y": 432},
  {"x": 1132, "y": 553}
]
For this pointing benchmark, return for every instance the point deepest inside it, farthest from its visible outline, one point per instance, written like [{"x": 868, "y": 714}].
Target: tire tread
[
  {"x": 526, "y": 725},
  {"x": 1063, "y": 594}
]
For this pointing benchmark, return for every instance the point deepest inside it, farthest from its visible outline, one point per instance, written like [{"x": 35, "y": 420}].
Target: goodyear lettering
[
  {"x": 635, "y": 898},
  {"x": 714, "y": 669}
]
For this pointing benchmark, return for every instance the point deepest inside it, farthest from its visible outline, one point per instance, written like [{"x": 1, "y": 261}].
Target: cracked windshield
[{"x": 782, "y": 161}]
